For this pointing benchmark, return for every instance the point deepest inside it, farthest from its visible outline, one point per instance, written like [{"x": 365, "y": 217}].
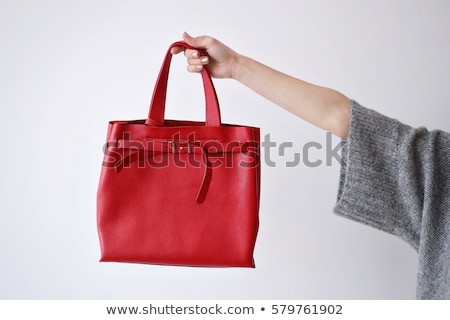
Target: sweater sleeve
[{"x": 397, "y": 179}]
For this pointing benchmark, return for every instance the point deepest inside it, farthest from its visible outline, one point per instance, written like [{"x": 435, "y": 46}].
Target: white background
[{"x": 68, "y": 67}]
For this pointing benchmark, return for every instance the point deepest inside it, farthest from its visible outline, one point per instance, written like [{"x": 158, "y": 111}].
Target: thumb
[{"x": 201, "y": 42}]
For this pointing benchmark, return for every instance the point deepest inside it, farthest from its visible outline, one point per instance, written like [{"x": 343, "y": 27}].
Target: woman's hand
[
  {"x": 323, "y": 107},
  {"x": 221, "y": 60}
]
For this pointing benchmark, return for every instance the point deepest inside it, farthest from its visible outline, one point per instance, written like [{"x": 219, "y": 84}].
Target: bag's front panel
[{"x": 148, "y": 213}]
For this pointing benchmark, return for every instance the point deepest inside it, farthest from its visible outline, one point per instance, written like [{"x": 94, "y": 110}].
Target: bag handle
[{"x": 158, "y": 103}]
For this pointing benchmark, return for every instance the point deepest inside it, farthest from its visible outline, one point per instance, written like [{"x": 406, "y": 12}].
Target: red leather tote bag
[{"x": 175, "y": 192}]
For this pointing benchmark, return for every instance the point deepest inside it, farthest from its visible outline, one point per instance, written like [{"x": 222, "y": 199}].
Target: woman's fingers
[
  {"x": 194, "y": 59},
  {"x": 189, "y": 53},
  {"x": 198, "y": 58},
  {"x": 198, "y": 62},
  {"x": 196, "y": 65},
  {"x": 176, "y": 50}
]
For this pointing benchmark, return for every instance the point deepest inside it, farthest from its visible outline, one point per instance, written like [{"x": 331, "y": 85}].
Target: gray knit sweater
[{"x": 397, "y": 179}]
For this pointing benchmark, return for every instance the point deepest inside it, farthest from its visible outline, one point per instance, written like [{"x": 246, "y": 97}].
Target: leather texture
[{"x": 176, "y": 192}]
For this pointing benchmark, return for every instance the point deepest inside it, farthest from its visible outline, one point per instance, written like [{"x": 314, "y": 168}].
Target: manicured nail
[
  {"x": 195, "y": 54},
  {"x": 199, "y": 67},
  {"x": 205, "y": 60}
]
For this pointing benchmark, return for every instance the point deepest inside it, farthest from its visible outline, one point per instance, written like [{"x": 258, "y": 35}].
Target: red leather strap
[
  {"x": 204, "y": 186},
  {"x": 158, "y": 103}
]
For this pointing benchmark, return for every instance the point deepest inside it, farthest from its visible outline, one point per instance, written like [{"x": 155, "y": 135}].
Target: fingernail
[
  {"x": 199, "y": 67},
  {"x": 205, "y": 60},
  {"x": 195, "y": 54}
]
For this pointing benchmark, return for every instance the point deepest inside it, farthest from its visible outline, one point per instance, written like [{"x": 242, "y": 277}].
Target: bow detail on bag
[{"x": 147, "y": 151}]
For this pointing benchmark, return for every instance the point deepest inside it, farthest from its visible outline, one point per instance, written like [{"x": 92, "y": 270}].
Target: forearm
[{"x": 320, "y": 106}]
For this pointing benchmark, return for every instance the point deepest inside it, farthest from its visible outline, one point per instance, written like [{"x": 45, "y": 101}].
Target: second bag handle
[{"x": 158, "y": 103}]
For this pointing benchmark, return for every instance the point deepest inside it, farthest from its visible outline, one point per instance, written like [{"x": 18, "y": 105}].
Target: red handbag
[{"x": 177, "y": 192}]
